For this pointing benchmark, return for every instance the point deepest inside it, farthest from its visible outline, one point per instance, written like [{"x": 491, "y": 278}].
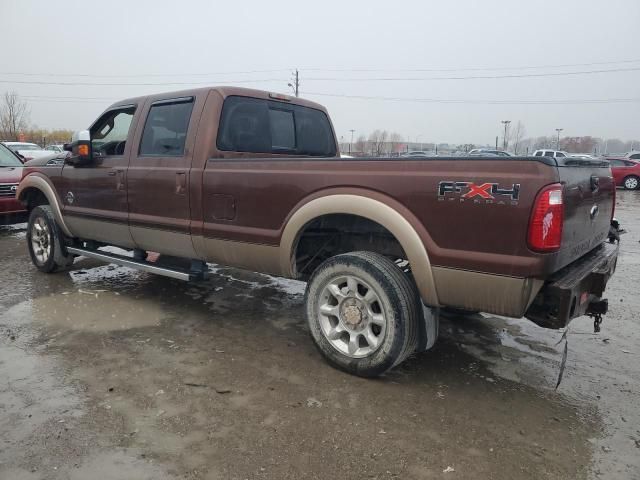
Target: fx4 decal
[{"x": 478, "y": 193}]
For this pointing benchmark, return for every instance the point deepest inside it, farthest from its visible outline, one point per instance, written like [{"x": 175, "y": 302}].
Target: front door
[
  {"x": 158, "y": 177},
  {"x": 94, "y": 196}
]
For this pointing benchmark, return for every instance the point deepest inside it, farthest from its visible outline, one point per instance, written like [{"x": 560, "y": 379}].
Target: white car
[
  {"x": 584, "y": 156},
  {"x": 550, "y": 153},
  {"x": 58, "y": 148},
  {"x": 28, "y": 151}
]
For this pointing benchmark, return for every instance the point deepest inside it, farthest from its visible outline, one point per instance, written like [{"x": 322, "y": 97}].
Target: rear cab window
[{"x": 256, "y": 125}]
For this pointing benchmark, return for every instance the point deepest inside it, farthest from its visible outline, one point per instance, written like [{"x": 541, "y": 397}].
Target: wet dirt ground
[{"x": 110, "y": 373}]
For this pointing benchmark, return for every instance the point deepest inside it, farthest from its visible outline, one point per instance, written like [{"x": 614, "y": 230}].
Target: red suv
[
  {"x": 626, "y": 171},
  {"x": 11, "y": 210}
]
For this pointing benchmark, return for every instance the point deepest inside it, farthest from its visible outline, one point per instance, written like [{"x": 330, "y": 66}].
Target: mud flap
[{"x": 429, "y": 328}]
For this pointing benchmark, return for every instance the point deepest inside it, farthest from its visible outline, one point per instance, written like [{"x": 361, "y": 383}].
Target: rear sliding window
[{"x": 263, "y": 126}]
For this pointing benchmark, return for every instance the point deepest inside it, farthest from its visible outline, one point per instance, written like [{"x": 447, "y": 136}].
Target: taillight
[{"x": 547, "y": 217}]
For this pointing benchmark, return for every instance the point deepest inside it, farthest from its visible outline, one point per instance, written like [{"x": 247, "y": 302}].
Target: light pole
[
  {"x": 504, "y": 139},
  {"x": 351, "y": 140},
  {"x": 558, "y": 139}
]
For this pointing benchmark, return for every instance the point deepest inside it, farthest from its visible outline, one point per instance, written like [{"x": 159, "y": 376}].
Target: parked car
[
  {"x": 253, "y": 180},
  {"x": 51, "y": 160},
  {"x": 415, "y": 154},
  {"x": 485, "y": 152},
  {"x": 626, "y": 173},
  {"x": 550, "y": 153},
  {"x": 28, "y": 151},
  {"x": 11, "y": 210},
  {"x": 582, "y": 155},
  {"x": 58, "y": 148},
  {"x": 629, "y": 156}
]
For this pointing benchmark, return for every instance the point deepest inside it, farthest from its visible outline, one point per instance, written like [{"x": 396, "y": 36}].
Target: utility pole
[
  {"x": 351, "y": 143},
  {"x": 504, "y": 139},
  {"x": 496, "y": 142},
  {"x": 558, "y": 139},
  {"x": 296, "y": 83}
]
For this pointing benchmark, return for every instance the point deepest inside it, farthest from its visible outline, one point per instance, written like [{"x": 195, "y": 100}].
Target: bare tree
[
  {"x": 377, "y": 141},
  {"x": 14, "y": 116},
  {"x": 361, "y": 144},
  {"x": 518, "y": 135},
  {"x": 396, "y": 140}
]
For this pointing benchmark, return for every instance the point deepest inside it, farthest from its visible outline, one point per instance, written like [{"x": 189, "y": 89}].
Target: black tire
[
  {"x": 633, "y": 181},
  {"x": 42, "y": 230},
  {"x": 398, "y": 302}
]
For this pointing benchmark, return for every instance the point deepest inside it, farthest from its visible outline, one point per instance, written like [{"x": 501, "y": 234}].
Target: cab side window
[
  {"x": 165, "y": 131},
  {"x": 109, "y": 133}
]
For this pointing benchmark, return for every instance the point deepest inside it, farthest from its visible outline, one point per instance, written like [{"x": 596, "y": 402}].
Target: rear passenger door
[
  {"x": 158, "y": 179},
  {"x": 246, "y": 190}
]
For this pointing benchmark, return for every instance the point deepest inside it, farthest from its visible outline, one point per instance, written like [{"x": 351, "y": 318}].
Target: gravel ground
[{"x": 110, "y": 373}]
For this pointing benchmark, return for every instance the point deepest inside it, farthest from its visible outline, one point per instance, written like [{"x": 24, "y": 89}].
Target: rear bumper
[{"x": 576, "y": 289}]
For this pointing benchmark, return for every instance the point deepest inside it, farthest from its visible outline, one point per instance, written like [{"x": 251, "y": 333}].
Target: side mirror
[{"x": 80, "y": 148}]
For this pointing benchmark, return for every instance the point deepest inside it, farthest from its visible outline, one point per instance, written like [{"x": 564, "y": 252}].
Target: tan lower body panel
[
  {"x": 163, "y": 241},
  {"x": 255, "y": 257},
  {"x": 100, "y": 230},
  {"x": 484, "y": 292}
]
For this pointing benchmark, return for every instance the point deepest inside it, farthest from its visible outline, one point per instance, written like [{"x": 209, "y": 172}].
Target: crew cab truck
[{"x": 254, "y": 180}]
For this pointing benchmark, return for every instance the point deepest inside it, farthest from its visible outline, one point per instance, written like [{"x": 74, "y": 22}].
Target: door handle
[
  {"x": 112, "y": 173},
  {"x": 181, "y": 183},
  {"x": 120, "y": 185}
]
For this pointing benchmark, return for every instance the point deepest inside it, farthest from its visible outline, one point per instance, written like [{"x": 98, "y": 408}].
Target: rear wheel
[
  {"x": 45, "y": 241},
  {"x": 631, "y": 182},
  {"x": 363, "y": 313}
]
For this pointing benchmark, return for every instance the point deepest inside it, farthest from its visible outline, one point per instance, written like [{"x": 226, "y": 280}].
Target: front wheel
[
  {"x": 631, "y": 182},
  {"x": 45, "y": 241},
  {"x": 363, "y": 313}
]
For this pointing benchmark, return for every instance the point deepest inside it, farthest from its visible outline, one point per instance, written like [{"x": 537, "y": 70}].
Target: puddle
[{"x": 90, "y": 310}]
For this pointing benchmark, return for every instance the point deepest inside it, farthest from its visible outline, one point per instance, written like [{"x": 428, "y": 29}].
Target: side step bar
[{"x": 137, "y": 264}]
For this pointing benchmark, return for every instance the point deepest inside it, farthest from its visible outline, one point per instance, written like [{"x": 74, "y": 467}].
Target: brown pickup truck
[{"x": 254, "y": 180}]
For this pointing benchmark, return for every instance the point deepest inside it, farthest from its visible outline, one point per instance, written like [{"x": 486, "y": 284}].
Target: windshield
[{"x": 8, "y": 159}]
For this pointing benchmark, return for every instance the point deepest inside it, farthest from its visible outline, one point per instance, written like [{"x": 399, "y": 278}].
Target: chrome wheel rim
[
  {"x": 631, "y": 183},
  {"x": 351, "y": 316},
  {"x": 41, "y": 240}
]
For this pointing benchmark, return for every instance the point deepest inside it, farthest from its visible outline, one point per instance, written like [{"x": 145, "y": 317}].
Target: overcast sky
[{"x": 340, "y": 48}]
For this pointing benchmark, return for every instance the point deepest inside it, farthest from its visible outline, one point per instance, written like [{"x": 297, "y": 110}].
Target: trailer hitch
[{"x": 597, "y": 310}]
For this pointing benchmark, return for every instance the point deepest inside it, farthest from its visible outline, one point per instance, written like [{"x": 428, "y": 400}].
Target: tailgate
[{"x": 589, "y": 197}]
